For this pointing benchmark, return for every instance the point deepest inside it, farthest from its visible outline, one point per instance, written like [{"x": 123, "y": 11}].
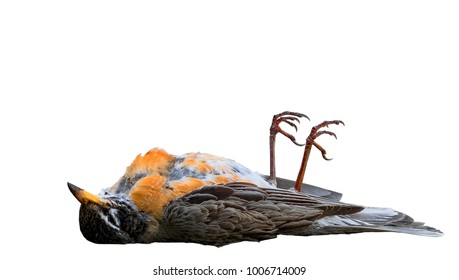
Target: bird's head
[{"x": 109, "y": 218}]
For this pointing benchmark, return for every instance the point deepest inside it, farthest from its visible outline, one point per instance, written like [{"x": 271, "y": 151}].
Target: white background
[{"x": 86, "y": 86}]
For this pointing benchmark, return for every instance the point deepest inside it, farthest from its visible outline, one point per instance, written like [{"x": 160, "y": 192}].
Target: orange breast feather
[
  {"x": 152, "y": 193},
  {"x": 154, "y": 161}
]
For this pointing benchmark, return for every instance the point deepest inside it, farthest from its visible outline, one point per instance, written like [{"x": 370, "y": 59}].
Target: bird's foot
[
  {"x": 310, "y": 141},
  {"x": 285, "y": 117},
  {"x": 289, "y": 118},
  {"x": 316, "y": 132}
]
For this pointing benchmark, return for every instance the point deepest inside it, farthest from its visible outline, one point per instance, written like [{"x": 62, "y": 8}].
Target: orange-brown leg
[
  {"x": 310, "y": 141},
  {"x": 284, "y": 117}
]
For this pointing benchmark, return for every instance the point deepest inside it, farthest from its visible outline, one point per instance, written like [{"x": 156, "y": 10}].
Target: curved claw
[
  {"x": 325, "y": 132},
  {"x": 322, "y": 150},
  {"x": 287, "y": 113},
  {"x": 337, "y": 122},
  {"x": 327, "y": 123},
  {"x": 291, "y": 124},
  {"x": 291, "y": 137},
  {"x": 290, "y": 118}
]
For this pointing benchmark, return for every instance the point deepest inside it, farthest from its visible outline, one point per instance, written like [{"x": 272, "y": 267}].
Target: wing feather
[{"x": 222, "y": 214}]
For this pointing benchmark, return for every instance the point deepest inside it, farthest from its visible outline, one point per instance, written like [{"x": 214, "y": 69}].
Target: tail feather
[{"x": 371, "y": 219}]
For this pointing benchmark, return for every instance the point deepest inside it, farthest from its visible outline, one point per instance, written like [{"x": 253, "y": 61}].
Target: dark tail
[{"x": 371, "y": 219}]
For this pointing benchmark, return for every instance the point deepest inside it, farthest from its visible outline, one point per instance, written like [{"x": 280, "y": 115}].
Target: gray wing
[{"x": 222, "y": 214}]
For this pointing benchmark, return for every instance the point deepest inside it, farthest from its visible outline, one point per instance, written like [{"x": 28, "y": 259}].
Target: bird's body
[
  {"x": 154, "y": 179},
  {"x": 207, "y": 199}
]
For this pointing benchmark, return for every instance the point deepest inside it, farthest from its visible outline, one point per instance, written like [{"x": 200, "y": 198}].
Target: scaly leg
[
  {"x": 310, "y": 141},
  {"x": 284, "y": 117}
]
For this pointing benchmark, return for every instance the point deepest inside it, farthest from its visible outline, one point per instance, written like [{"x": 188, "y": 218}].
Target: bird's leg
[
  {"x": 310, "y": 141},
  {"x": 284, "y": 117}
]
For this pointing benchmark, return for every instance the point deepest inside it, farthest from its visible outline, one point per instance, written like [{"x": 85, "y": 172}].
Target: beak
[{"x": 85, "y": 197}]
